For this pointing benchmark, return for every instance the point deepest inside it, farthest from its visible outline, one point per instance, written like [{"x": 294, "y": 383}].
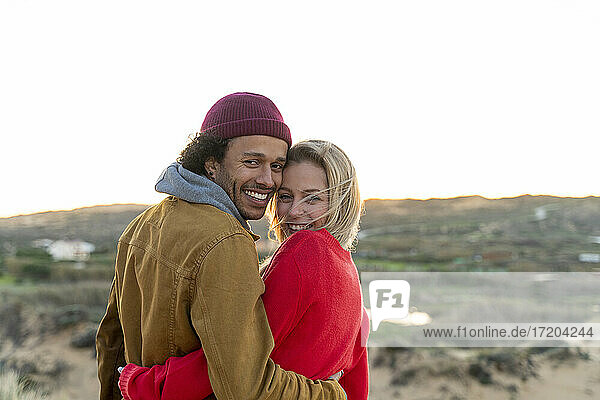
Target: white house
[
  {"x": 541, "y": 213},
  {"x": 595, "y": 239},
  {"x": 75, "y": 250},
  {"x": 589, "y": 257}
]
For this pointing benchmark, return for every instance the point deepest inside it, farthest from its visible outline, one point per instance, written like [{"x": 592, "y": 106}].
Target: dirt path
[{"x": 80, "y": 380}]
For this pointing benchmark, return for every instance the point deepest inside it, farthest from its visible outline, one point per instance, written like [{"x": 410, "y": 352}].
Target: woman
[{"x": 312, "y": 292}]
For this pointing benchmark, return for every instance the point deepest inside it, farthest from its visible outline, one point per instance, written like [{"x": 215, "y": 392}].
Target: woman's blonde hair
[{"x": 345, "y": 206}]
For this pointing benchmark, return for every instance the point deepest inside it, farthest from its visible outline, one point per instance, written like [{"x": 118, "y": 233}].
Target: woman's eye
[
  {"x": 284, "y": 198},
  {"x": 313, "y": 199}
]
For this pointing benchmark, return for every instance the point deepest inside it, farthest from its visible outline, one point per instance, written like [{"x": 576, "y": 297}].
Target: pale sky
[{"x": 433, "y": 98}]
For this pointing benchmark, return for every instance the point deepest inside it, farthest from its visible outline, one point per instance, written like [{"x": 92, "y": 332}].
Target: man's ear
[{"x": 211, "y": 165}]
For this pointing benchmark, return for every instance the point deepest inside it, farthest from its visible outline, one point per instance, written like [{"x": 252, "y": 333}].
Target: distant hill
[
  {"x": 525, "y": 232},
  {"x": 101, "y": 225},
  {"x": 584, "y": 211},
  {"x": 522, "y": 233}
]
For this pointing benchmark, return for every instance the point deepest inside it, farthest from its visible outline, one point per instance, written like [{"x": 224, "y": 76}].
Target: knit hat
[{"x": 245, "y": 114}]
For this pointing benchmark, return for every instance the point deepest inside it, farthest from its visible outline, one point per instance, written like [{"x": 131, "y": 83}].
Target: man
[{"x": 186, "y": 273}]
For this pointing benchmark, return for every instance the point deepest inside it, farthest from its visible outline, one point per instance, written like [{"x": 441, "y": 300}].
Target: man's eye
[
  {"x": 277, "y": 167},
  {"x": 251, "y": 163}
]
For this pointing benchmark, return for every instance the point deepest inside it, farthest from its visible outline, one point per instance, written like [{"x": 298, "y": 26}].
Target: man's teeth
[
  {"x": 296, "y": 227},
  {"x": 257, "y": 196}
]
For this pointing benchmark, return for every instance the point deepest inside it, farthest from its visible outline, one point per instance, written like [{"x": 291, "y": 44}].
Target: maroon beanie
[{"x": 245, "y": 114}]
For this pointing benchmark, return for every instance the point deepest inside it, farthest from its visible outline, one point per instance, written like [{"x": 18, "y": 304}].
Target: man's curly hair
[{"x": 200, "y": 149}]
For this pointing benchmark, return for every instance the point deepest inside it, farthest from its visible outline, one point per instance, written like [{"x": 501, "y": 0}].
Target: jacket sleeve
[
  {"x": 230, "y": 320},
  {"x": 110, "y": 349}
]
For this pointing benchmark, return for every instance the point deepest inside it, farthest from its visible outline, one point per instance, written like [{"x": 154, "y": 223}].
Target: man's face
[{"x": 251, "y": 172}]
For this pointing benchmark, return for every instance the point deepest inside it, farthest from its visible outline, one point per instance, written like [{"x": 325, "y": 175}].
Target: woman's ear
[{"x": 211, "y": 165}]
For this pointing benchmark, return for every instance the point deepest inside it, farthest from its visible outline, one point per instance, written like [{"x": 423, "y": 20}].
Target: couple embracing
[{"x": 190, "y": 315}]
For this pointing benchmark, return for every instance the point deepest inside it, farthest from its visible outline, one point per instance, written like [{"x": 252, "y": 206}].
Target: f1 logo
[{"x": 389, "y": 300}]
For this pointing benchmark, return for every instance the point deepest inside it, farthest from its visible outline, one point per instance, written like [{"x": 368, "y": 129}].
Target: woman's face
[{"x": 301, "y": 203}]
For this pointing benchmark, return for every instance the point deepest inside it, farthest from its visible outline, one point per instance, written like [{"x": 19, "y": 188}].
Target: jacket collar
[{"x": 186, "y": 185}]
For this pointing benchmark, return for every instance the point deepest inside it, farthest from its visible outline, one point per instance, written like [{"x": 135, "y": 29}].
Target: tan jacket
[{"x": 186, "y": 277}]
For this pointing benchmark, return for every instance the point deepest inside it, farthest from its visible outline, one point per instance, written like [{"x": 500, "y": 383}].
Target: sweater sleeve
[
  {"x": 235, "y": 354},
  {"x": 356, "y": 381},
  {"x": 182, "y": 378}
]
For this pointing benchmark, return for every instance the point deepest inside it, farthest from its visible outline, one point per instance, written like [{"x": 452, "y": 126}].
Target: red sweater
[{"x": 314, "y": 305}]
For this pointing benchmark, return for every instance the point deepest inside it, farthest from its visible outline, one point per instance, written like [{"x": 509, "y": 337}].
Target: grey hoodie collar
[{"x": 180, "y": 182}]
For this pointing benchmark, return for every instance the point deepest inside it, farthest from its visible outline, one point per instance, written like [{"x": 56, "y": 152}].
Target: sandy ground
[
  {"x": 80, "y": 380},
  {"x": 572, "y": 379},
  {"x": 578, "y": 381}
]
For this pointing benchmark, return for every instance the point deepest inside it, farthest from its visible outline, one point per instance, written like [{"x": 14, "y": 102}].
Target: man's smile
[{"x": 258, "y": 197}]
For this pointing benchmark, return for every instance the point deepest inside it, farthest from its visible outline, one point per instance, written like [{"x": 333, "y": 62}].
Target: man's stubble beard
[{"x": 224, "y": 180}]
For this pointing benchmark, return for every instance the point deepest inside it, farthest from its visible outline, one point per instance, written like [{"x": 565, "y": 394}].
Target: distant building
[
  {"x": 73, "y": 250},
  {"x": 541, "y": 213},
  {"x": 589, "y": 257}
]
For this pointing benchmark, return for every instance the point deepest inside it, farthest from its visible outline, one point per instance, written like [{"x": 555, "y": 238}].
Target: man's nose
[{"x": 265, "y": 178}]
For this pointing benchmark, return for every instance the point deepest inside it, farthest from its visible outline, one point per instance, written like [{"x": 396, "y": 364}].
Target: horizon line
[{"x": 365, "y": 200}]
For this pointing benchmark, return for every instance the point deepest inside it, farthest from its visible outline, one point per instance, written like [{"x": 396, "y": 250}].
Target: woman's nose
[{"x": 297, "y": 209}]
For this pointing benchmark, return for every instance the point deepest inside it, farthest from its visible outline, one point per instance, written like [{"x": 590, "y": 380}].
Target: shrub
[
  {"x": 33, "y": 252},
  {"x": 71, "y": 315},
  {"x": 66, "y": 273},
  {"x": 29, "y": 270},
  {"x": 35, "y": 272},
  {"x": 85, "y": 336},
  {"x": 91, "y": 294}
]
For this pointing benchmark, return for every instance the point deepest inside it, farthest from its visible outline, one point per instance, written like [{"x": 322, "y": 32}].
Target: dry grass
[{"x": 13, "y": 388}]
